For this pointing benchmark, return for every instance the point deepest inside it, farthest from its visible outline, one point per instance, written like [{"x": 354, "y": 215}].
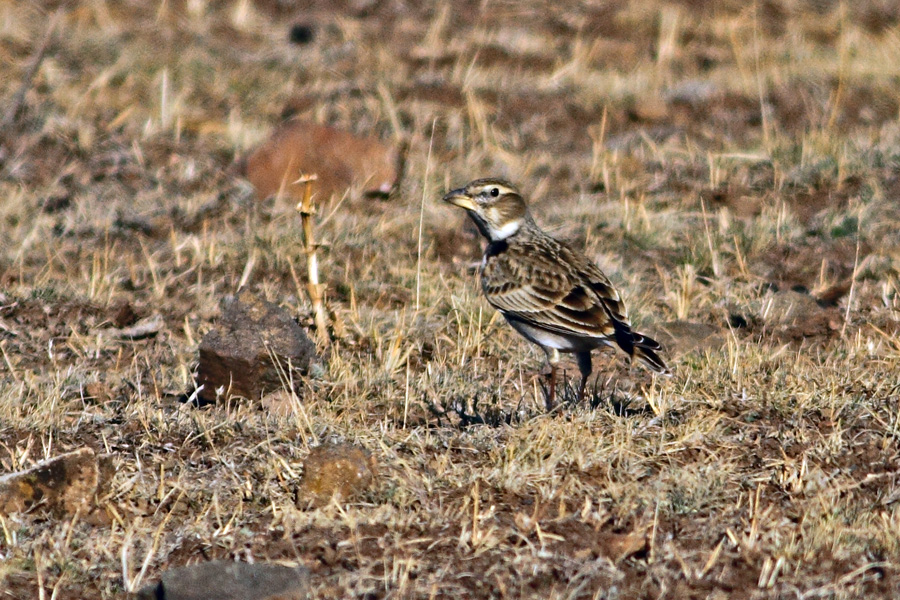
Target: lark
[{"x": 550, "y": 293}]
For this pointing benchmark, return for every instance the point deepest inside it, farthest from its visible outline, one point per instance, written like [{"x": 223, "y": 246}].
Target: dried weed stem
[{"x": 315, "y": 289}]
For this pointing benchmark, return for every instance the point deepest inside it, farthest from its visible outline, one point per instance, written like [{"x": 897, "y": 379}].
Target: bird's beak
[{"x": 460, "y": 198}]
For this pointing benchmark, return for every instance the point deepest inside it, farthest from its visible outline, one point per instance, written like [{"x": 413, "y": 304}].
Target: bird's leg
[
  {"x": 584, "y": 365},
  {"x": 553, "y": 359},
  {"x": 551, "y": 397}
]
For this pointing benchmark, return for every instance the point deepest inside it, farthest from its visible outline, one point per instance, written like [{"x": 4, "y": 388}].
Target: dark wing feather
[
  {"x": 548, "y": 285},
  {"x": 637, "y": 345}
]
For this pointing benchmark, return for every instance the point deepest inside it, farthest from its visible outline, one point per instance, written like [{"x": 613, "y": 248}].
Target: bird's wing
[
  {"x": 529, "y": 285},
  {"x": 600, "y": 284}
]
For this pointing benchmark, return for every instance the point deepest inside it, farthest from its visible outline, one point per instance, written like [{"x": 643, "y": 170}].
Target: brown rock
[
  {"x": 651, "y": 108},
  {"x": 62, "y": 484},
  {"x": 340, "y": 470},
  {"x": 226, "y": 580},
  {"x": 238, "y": 354},
  {"x": 682, "y": 337},
  {"x": 339, "y": 159}
]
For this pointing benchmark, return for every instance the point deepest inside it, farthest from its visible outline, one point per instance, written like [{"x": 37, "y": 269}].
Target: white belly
[{"x": 548, "y": 339}]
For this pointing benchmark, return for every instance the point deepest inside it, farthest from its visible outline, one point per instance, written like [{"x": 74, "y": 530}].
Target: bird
[{"x": 551, "y": 294}]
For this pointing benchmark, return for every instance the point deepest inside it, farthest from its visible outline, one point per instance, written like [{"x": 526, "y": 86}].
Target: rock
[
  {"x": 341, "y": 470},
  {"x": 63, "y": 484},
  {"x": 682, "y": 337},
  {"x": 339, "y": 159},
  {"x": 226, "y": 580},
  {"x": 795, "y": 316},
  {"x": 238, "y": 354},
  {"x": 650, "y": 109},
  {"x": 787, "y": 307}
]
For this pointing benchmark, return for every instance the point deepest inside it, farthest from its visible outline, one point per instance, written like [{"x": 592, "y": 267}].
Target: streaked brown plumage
[{"x": 550, "y": 293}]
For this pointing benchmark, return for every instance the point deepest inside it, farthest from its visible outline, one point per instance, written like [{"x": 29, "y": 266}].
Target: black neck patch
[
  {"x": 495, "y": 248},
  {"x": 480, "y": 223}
]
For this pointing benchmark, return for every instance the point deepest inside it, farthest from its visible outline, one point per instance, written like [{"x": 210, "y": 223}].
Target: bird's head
[{"x": 495, "y": 205}]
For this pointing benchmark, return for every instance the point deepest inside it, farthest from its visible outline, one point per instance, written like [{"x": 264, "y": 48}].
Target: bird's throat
[{"x": 508, "y": 229}]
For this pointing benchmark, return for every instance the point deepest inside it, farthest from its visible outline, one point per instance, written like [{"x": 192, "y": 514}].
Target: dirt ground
[{"x": 734, "y": 167}]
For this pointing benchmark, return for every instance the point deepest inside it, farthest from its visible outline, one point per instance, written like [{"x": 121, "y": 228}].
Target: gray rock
[
  {"x": 226, "y": 580},
  {"x": 238, "y": 354}
]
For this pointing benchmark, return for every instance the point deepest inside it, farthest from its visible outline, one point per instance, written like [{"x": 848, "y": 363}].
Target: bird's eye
[{"x": 495, "y": 192}]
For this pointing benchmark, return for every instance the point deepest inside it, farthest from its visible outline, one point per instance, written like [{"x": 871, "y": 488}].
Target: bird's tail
[{"x": 645, "y": 350}]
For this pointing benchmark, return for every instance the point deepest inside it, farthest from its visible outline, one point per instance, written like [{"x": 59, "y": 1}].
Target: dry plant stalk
[{"x": 315, "y": 289}]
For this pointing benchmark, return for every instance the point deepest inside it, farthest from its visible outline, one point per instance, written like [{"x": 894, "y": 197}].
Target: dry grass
[{"x": 705, "y": 153}]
